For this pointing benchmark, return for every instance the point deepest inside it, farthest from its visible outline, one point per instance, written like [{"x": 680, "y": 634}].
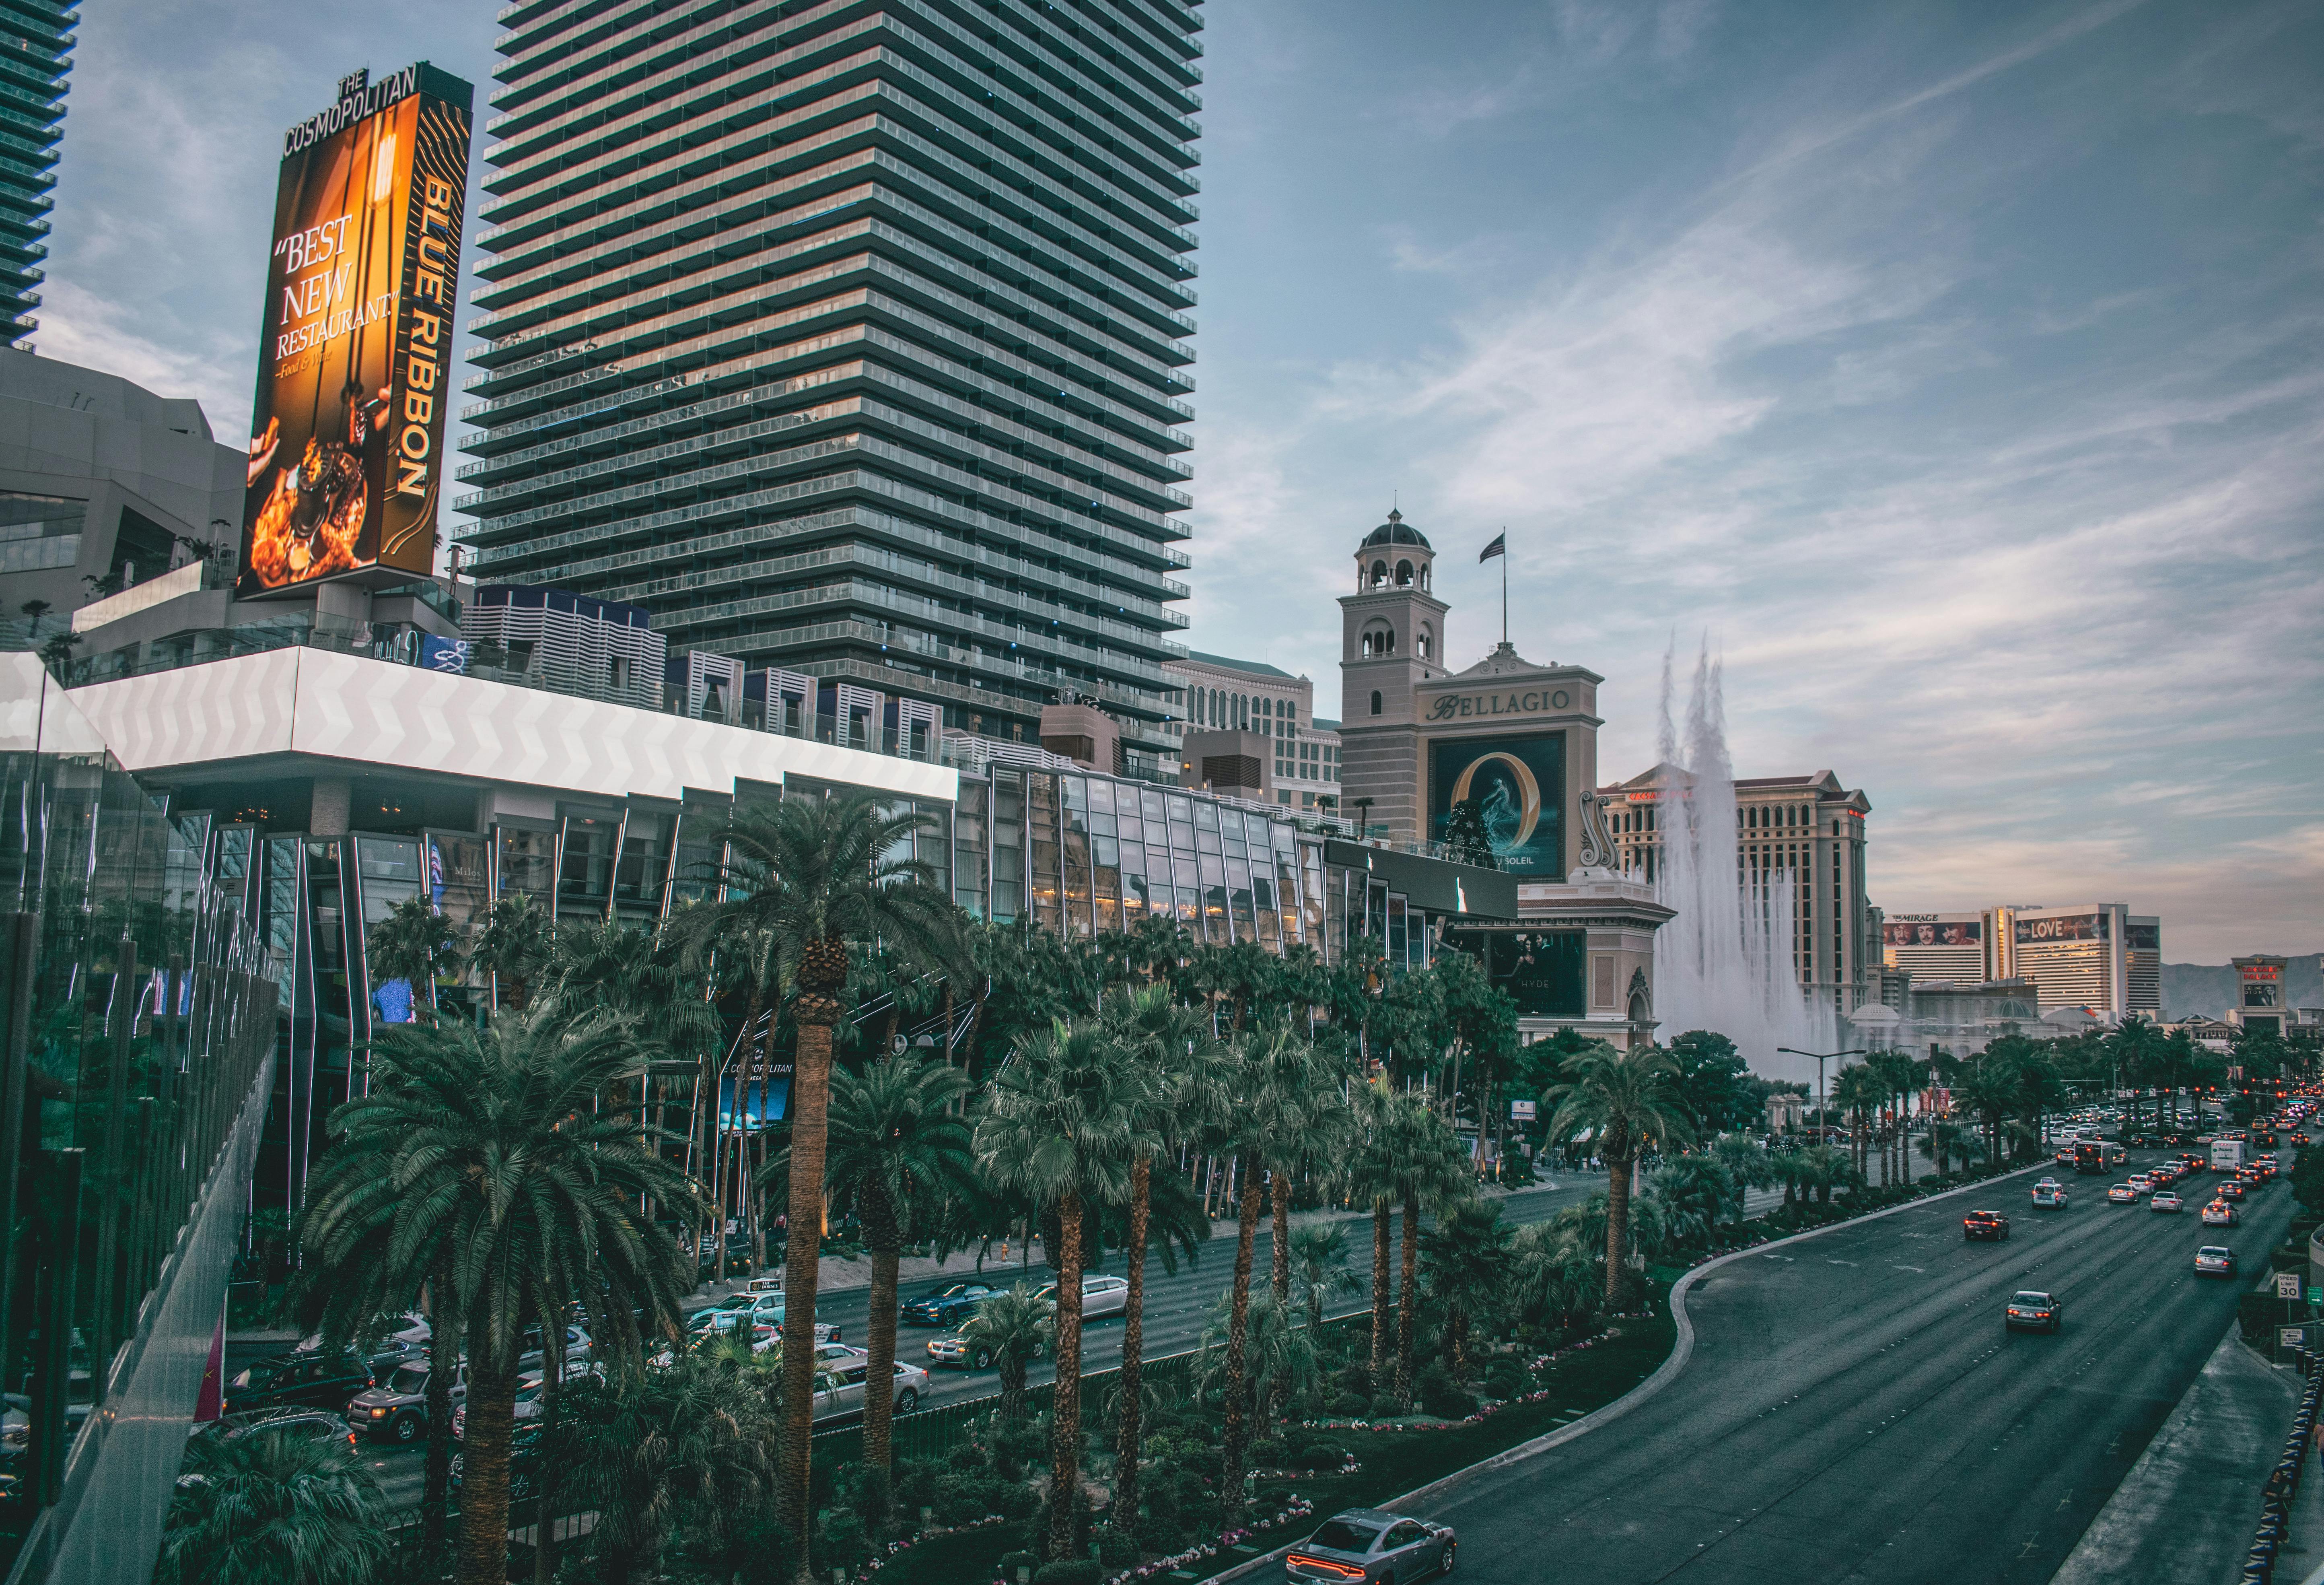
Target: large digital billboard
[
  {"x": 1932, "y": 929},
  {"x": 354, "y": 349},
  {"x": 2060, "y": 927},
  {"x": 1519, "y": 787}
]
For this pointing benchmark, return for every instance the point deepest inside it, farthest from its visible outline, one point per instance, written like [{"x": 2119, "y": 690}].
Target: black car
[
  {"x": 524, "y": 1464},
  {"x": 1984, "y": 1224},
  {"x": 947, "y": 1306},
  {"x": 315, "y": 1380}
]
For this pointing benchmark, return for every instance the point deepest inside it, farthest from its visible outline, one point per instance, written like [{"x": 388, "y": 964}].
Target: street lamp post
[{"x": 1824, "y": 1107}]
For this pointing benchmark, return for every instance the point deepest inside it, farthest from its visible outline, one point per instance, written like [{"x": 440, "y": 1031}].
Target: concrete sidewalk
[{"x": 2188, "y": 1508}]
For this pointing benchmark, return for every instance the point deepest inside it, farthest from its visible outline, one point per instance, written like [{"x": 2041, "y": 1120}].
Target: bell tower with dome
[{"x": 1391, "y": 641}]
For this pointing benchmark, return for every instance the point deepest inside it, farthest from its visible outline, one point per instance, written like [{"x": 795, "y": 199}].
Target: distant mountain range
[{"x": 2211, "y": 988}]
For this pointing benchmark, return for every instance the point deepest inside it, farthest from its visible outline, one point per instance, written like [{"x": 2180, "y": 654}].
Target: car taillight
[{"x": 1326, "y": 1565}]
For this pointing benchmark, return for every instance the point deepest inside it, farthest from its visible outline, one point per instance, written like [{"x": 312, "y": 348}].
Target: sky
[{"x": 1955, "y": 374}]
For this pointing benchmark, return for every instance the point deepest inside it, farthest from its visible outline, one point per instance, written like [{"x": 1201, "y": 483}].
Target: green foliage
[
  {"x": 1466, "y": 840},
  {"x": 271, "y": 1507},
  {"x": 2308, "y": 1181},
  {"x": 1070, "y": 1571},
  {"x": 1714, "y": 1084}
]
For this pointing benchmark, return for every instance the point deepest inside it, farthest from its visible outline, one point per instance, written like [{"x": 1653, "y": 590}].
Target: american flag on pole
[{"x": 1500, "y": 547}]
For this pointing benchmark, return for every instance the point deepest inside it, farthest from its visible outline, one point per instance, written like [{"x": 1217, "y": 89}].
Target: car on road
[
  {"x": 313, "y": 1380},
  {"x": 850, "y": 1371},
  {"x": 2220, "y": 1214},
  {"x": 2233, "y": 1189},
  {"x": 2032, "y": 1311},
  {"x": 524, "y": 1465},
  {"x": 1984, "y": 1224},
  {"x": 2050, "y": 1193},
  {"x": 946, "y": 1306},
  {"x": 2215, "y": 1260},
  {"x": 1370, "y": 1546},
  {"x": 956, "y": 1352},
  {"x": 322, "y": 1425},
  {"x": 2122, "y": 1195},
  {"x": 762, "y": 1309},
  {"x": 2142, "y": 1181},
  {"x": 529, "y": 1405},
  {"x": 1100, "y": 1295},
  {"x": 396, "y": 1410},
  {"x": 2167, "y": 1202},
  {"x": 2299, "y": 1138}
]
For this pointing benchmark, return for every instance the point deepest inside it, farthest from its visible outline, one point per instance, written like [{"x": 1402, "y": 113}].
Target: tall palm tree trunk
[
  {"x": 886, "y": 1236},
  {"x": 1133, "y": 1342},
  {"x": 1407, "y": 1320},
  {"x": 1237, "y": 1428},
  {"x": 544, "y": 1507},
  {"x": 803, "y": 1248},
  {"x": 1381, "y": 1295},
  {"x": 1279, "y": 1185},
  {"x": 443, "y": 1363},
  {"x": 485, "y": 1483},
  {"x": 1066, "y": 1407},
  {"x": 1619, "y": 1162}
]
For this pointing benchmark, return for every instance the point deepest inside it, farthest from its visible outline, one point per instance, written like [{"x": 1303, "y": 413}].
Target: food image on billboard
[
  {"x": 348, "y": 429},
  {"x": 1519, "y": 787}
]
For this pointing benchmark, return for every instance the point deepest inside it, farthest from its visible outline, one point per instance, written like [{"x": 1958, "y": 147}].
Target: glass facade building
[
  {"x": 850, "y": 339},
  {"x": 36, "y": 39},
  {"x": 140, "y": 1010}
]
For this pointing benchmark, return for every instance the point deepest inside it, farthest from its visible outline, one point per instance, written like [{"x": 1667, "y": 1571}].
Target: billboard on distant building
[
  {"x": 1519, "y": 787},
  {"x": 2060, "y": 927},
  {"x": 1930, "y": 929},
  {"x": 346, "y": 447}
]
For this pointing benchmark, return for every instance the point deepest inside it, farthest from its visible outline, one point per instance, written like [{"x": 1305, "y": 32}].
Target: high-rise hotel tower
[
  {"x": 849, "y": 337},
  {"x": 35, "y": 41}
]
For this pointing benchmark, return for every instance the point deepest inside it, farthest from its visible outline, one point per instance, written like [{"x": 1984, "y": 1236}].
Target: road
[
  {"x": 1853, "y": 1407},
  {"x": 1177, "y": 1308}
]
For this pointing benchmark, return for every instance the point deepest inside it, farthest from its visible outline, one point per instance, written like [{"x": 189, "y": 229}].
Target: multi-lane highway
[
  {"x": 1177, "y": 1308},
  {"x": 1854, "y": 1410}
]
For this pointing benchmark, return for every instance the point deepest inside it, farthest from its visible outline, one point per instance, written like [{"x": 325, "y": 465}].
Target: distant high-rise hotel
[
  {"x": 34, "y": 37},
  {"x": 2097, "y": 956},
  {"x": 850, "y": 341}
]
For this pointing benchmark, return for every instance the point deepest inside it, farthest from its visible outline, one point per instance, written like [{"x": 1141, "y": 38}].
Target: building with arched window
[{"x": 1294, "y": 759}]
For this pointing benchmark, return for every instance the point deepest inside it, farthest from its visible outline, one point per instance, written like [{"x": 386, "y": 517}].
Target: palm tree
[
  {"x": 271, "y": 1507},
  {"x": 1693, "y": 1189},
  {"x": 1468, "y": 1254},
  {"x": 649, "y": 1449},
  {"x": 481, "y": 1155},
  {"x": 1319, "y": 1267},
  {"x": 1555, "y": 1270},
  {"x": 1279, "y": 1359},
  {"x": 1902, "y": 1075},
  {"x": 1268, "y": 1080},
  {"x": 813, "y": 878},
  {"x": 414, "y": 943},
  {"x": 1064, "y": 1123},
  {"x": 897, "y": 1148},
  {"x": 1946, "y": 1140},
  {"x": 1010, "y": 1330},
  {"x": 1172, "y": 1043},
  {"x": 1989, "y": 1092},
  {"x": 1747, "y": 1163},
  {"x": 1376, "y": 1173},
  {"x": 1620, "y": 1099},
  {"x": 1434, "y": 1173},
  {"x": 1856, "y": 1090},
  {"x": 510, "y": 946}
]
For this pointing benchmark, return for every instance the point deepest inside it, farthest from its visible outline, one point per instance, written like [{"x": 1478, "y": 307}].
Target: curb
[{"x": 1682, "y": 1350}]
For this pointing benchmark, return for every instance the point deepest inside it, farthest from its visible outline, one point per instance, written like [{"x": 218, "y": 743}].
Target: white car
[
  {"x": 1100, "y": 1295},
  {"x": 409, "y": 1331},
  {"x": 527, "y": 1395},
  {"x": 850, "y": 1368},
  {"x": 764, "y": 1309}
]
